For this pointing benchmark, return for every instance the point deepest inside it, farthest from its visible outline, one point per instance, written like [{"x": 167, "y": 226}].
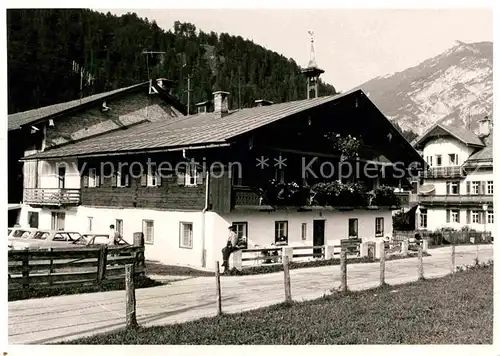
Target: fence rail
[
  {"x": 39, "y": 269},
  {"x": 448, "y": 237}
]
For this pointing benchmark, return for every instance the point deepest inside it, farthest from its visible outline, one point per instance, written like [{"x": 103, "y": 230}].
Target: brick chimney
[
  {"x": 221, "y": 106},
  {"x": 485, "y": 126}
]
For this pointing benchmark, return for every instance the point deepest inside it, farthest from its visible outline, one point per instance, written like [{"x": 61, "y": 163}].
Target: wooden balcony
[
  {"x": 440, "y": 200},
  {"x": 443, "y": 172},
  {"x": 245, "y": 196},
  {"x": 51, "y": 196}
]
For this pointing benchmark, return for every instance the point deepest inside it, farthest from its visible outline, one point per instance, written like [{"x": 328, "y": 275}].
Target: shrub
[{"x": 385, "y": 196}]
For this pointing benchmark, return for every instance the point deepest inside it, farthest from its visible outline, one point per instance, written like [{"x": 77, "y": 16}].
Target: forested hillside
[{"x": 42, "y": 45}]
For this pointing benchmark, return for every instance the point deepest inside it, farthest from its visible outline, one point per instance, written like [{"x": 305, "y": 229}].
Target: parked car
[
  {"x": 19, "y": 232},
  {"x": 101, "y": 239},
  {"x": 44, "y": 239}
]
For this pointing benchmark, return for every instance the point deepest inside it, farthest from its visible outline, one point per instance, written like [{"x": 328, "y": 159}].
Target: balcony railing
[
  {"x": 443, "y": 172},
  {"x": 51, "y": 196},
  {"x": 456, "y": 199},
  {"x": 245, "y": 196}
]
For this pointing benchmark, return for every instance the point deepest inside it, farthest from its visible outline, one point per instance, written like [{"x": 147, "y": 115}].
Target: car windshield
[
  {"x": 21, "y": 233},
  {"x": 41, "y": 235},
  {"x": 9, "y": 230}
]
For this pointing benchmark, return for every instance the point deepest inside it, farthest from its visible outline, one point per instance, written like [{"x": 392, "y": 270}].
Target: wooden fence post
[
  {"x": 343, "y": 269},
  {"x": 286, "y": 273},
  {"x": 420, "y": 262},
  {"x": 477, "y": 254},
  {"x": 130, "y": 296},
  {"x": 102, "y": 261},
  {"x": 217, "y": 288},
  {"x": 139, "y": 242},
  {"x": 51, "y": 267},
  {"x": 382, "y": 268},
  {"x": 452, "y": 259},
  {"x": 26, "y": 271}
]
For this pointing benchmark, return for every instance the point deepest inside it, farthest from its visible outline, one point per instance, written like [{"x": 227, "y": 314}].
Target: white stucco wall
[
  {"x": 445, "y": 146},
  {"x": 48, "y": 174},
  {"x": 261, "y": 227},
  {"x": 165, "y": 247},
  {"x": 436, "y": 219}
]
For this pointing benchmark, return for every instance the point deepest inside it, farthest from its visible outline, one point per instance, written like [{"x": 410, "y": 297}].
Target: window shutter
[
  {"x": 199, "y": 178},
  {"x": 458, "y": 216},
  {"x": 114, "y": 181},
  {"x": 447, "y": 188},
  {"x": 447, "y": 215},
  {"x": 144, "y": 180},
  {"x": 181, "y": 178},
  {"x": 85, "y": 181},
  {"x": 468, "y": 187},
  {"x": 468, "y": 217},
  {"x": 458, "y": 187},
  {"x": 483, "y": 188}
]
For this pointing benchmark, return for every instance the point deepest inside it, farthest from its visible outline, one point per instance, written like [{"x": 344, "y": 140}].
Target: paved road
[{"x": 60, "y": 318}]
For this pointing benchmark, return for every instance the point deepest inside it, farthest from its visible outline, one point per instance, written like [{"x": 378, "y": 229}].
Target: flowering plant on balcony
[
  {"x": 385, "y": 196},
  {"x": 347, "y": 146},
  {"x": 288, "y": 193},
  {"x": 339, "y": 194}
]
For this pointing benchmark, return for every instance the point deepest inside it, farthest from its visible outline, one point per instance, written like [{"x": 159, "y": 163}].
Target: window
[
  {"x": 279, "y": 175},
  {"x": 353, "y": 228},
  {"x": 191, "y": 175},
  {"x": 61, "y": 177},
  {"x": 455, "y": 216},
  {"x": 89, "y": 223},
  {"x": 153, "y": 176},
  {"x": 119, "y": 226},
  {"x": 429, "y": 160},
  {"x": 379, "y": 226},
  {"x": 304, "y": 231},
  {"x": 490, "y": 217},
  {"x": 281, "y": 231},
  {"x": 33, "y": 219},
  {"x": 148, "y": 231},
  {"x": 186, "y": 235},
  {"x": 92, "y": 178},
  {"x": 476, "y": 217},
  {"x": 423, "y": 218},
  {"x": 490, "y": 187},
  {"x": 241, "y": 230},
  {"x": 236, "y": 175},
  {"x": 453, "y": 159},
  {"x": 453, "y": 188},
  {"x": 438, "y": 160},
  {"x": 57, "y": 221},
  {"x": 122, "y": 176},
  {"x": 476, "y": 187}
]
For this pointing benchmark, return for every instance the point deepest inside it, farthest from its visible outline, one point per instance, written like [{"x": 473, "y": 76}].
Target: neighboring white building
[{"x": 457, "y": 190}]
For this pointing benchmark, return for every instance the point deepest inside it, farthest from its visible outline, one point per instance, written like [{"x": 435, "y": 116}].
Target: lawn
[{"x": 452, "y": 310}]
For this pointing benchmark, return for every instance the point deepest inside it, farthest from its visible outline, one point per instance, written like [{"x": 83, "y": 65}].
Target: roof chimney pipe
[
  {"x": 262, "y": 102},
  {"x": 485, "y": 127},
  {"x": 221, "y": 106}
]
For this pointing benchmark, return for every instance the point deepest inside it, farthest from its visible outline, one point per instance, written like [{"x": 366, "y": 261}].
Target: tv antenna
[{"x": 150, "y": 53}]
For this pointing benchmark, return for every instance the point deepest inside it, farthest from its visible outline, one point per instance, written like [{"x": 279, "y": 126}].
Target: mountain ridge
[{"x": 440, "y": 89}]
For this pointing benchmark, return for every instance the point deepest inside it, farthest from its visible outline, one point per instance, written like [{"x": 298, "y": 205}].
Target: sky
[{"x": 351, "y": 45}]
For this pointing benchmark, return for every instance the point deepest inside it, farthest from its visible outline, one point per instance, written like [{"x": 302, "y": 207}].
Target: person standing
[
  {"x": 114, "y": 236},
  {"x": 231, "y": 246}
]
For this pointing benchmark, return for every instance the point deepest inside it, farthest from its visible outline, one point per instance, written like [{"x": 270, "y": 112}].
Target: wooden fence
[
  {"x": 70, "y": 267},
  {"x": 445, "y": 237}
]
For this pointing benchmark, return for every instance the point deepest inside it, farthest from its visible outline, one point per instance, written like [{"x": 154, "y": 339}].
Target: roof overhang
[{"x": 39, "y": 156}]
